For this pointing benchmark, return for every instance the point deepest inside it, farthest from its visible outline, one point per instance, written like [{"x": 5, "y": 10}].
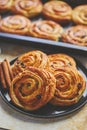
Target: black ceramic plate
[{"x": 49, "y": 111}]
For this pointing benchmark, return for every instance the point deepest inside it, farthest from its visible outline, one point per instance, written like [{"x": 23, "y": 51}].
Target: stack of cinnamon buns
[{"x": 36, "y": 79}]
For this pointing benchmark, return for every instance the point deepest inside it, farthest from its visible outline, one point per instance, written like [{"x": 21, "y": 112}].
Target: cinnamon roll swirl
[
  {"x": 60, "y": 60},
  {"x": 79, "y": 15},
  {"x": 32, "y": 89},
  {"x": 69, "y": 87},
  {"x": 15, "y": 24},
  {"x": 46, "y": 29},
  {"x": 34, "y": 58},
  {"x": 5, "y": 5},
  {"x": 58, "y": 11},
  {"x": 28, "y": 8},
  {"x": 76, "y": 35}
]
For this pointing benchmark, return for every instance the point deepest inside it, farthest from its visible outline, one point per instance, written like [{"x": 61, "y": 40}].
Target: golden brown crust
[
  {"x": 46, "y": 29},
  {"x": 27, "y": 8},
  {"x": 58, "y": 11},
  {"x": 33, "y": 58},
  {"x": 15, "y": 24},
  {"x": 76, "y": 35},
  {"x": 5, "y": 5},
  {"x": 33, "y": 88},
  {"x": 69, "y": 87},
  {"x": 60, "y": 60},
  {"x": 79, "y": 14}
]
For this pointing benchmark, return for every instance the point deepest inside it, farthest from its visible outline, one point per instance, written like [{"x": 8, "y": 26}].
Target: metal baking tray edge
[{"x": 30, "y": 40}]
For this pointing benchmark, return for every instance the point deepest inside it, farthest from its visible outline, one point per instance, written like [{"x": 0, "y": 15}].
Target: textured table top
[{"x": 13, "y": 120}]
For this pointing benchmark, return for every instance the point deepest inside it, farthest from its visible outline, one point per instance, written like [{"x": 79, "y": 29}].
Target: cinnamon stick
[
  {"x": 9, "y": 69},
  {"x": 6, "y": 73},
  {"x": 2, "y": 79}
]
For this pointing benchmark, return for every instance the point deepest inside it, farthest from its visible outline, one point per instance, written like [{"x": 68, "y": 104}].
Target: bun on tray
[
  {"x": 5, "y": 5},
  {"x": 28, "y": 8},
  {"x": 15, "y": 24},
  {"x": 46, "y": 29},
  {"x": 76, "y": 35},
  {"x": 58, "y": 11},
  {"x": 79, "y": 14}
]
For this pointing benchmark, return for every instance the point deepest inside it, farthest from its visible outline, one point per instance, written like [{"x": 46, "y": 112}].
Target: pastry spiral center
[
  {"x": 60, "y": 8},
  {"x": 46, "y": 28},
  {"x": 27, "y": 4},
  {"x": 28, "y": 85},
  {"x": 63, "y": 82},
  {"x": 80, "y": 34}
]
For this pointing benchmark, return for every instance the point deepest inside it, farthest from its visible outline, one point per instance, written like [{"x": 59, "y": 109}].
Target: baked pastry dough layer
[
  {"x": 5, "y": 5},
  {"x": 60, "y": 60},
  {"x": 34, "y": 58},
  {"x": 28, "y": 8},
  {"x": 33, "y": 88},
  {"x": 46, "y": 29},
  {"x": 79, "y": 14},
  {"x": 15, "y": 24},
  {"x": 76, "y": 35},
  {"x": 58, "y": 11},
  {"x": 70, "y": 86}
]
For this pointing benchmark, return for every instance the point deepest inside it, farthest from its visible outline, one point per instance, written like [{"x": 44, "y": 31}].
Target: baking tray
[
  {"x": 30, "y": 40},
  {"x": 49, "y": 111}
]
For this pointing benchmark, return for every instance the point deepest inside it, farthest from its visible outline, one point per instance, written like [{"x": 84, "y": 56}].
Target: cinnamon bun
[
  {"x": 28, "y": 8},
  {"x": 34, "y": 58},
  {"x": 15, "y": 24},
  {"x": 60, "y": 60},
  {"x": 46, "y": 29},
  {"x": 58, "y": 11},
  {"x": 32, "y": 89},
  {"x": 79, "y": 14},
  {"x": 70, "y": 85},
  {"x": 5, "y": 5},
  {"x": 76, "y": 35}
]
